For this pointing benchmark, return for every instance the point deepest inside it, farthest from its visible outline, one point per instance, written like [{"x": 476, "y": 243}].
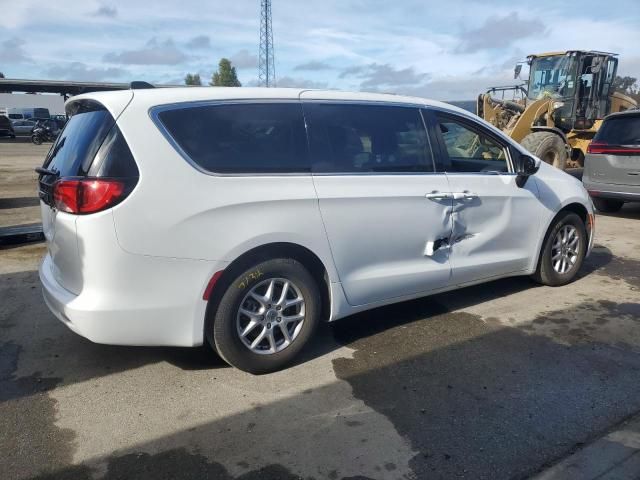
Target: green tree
[
  {"x": 225, "y": 76},
  {"x": 192, "y": 79},
  {"x": 628, "y": 86},
  {"x": 1, "y": 75}
]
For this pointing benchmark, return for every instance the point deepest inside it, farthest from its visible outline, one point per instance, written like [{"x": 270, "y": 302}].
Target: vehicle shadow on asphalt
[
  {"x": 374, "y": 321},
  {"x": 629, "y": 210}
]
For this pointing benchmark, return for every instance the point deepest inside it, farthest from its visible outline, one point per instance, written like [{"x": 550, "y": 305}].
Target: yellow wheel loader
[{"x": 557, "y": 112}]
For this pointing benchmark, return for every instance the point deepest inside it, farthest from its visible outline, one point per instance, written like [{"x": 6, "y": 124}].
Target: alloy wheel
[
  {"x": 270, "y": 316},
  {"x": 565, "y": 249}
]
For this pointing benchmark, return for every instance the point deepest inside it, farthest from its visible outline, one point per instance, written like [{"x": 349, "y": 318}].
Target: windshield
[{"x": 552, "y": 76}]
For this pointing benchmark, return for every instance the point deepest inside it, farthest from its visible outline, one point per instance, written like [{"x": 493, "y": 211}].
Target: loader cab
[{"x": 579, "y": 82}]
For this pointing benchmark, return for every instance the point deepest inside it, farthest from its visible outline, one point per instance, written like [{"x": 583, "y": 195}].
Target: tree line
[
  {"x": 629, "y": 86},
  {"x": 225, "y": 76}
]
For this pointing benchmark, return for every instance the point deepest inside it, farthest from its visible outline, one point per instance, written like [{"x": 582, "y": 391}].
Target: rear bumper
[
  {"x": 627, "y": 193},
  {"x": 158, "y": 306}
]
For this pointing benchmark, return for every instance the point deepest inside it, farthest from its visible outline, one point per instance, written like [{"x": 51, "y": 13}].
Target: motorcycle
[{"x": 42, "y": 133}]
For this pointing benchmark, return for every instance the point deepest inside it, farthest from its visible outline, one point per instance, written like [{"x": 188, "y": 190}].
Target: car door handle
[
  {"x": 466, "y": 195},
  {"x": 438, "y": 196}
]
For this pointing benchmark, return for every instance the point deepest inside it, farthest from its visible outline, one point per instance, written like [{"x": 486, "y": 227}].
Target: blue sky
[{"x": 447, "y": 49}]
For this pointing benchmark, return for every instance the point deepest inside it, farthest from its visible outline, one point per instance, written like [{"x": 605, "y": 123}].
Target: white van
[{"x": 243, "y": 217}]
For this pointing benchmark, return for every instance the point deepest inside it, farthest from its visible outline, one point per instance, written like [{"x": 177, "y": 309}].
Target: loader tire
[{"x": 547, "y": 146}]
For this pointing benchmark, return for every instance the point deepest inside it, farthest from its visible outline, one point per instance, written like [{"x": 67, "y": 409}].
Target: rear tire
[
  {"x": 563, "y": 251},
  {"x": 247, "y": 300},
  {"x": 547, "y": 146},
  {"x": 607, "y": 205}
]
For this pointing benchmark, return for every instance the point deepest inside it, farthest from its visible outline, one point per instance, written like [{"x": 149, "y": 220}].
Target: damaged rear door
[
  {"x": 496, "y": 224},
  {"x": 385, "y": 211}
]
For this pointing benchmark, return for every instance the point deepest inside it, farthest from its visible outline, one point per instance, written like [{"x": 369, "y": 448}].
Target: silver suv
[{"x": 612, "y": 166}]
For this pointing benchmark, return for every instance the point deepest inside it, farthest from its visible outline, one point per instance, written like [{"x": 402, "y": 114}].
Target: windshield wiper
[{"x": 46, "y": 171}]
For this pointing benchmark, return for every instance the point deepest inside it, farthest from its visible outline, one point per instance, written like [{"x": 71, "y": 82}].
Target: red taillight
[
  {"x": 87, "y": 196},
  {"x": 606, "y": 149}
]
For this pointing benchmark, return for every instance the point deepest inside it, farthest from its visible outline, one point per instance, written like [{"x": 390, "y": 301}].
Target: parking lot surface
[{"x": 495, "y": 381}]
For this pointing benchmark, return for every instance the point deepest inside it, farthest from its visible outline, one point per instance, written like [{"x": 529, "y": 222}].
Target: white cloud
[
  {"x": 82, "y": 72},
  {"x": 12, "y": 51},
  {"x": 199, "y": 41},
  {"x": 244, "y": 59},
  {"x": 499, "y": 32},
  {"x": 155, "y": 52},
  {"x": 375, "y": 76},
  {"x": 106, "y": 11},
  {"x": 287, "y": 81},
  {"x": 313, "y": 65}
]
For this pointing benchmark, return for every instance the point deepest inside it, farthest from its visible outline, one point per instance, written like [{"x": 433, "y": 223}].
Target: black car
[{"x": 6, "y": 129}]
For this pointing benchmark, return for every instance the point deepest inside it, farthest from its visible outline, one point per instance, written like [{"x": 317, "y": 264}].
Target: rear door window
[
  {"x": 367, "y": 138},
  {"x": 620, "y": 130},
  {"x": 240, "y": 138}
]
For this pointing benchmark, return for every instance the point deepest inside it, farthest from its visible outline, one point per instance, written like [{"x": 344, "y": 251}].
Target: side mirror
[
  {"x": 517, "y": 70},
  {"x": 525, "y": 167}
]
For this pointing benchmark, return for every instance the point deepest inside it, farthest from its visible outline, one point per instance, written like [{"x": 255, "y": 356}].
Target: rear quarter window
[
  {"x": 77, "y": 145},
  {"x": 620, "y": 130},
  {"x": 239, "y": 138},
  {"x": 91, "y": 144}
]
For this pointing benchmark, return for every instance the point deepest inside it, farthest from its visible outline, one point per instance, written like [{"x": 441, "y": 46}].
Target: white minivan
[{"x": 243, "y": 217}]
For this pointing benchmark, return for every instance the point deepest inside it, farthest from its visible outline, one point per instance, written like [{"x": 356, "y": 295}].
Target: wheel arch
[
  {"x": 259, "y": 254},
  {"x": 574, "y": 207}
]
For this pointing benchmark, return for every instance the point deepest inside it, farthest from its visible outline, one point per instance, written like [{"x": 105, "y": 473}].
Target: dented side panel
[
  {"x": 495, "y": 233},
  {"x": 379, "y": 227}
]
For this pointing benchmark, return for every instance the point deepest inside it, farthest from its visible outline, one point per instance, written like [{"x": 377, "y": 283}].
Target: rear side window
[
  {"x": 240, "y": 138},
  {"x": 367, "y": 138},
  {"x": 114, "y": 159},
  {"x": 620, "y": 130},
  {"x": 77, "y": 145}
]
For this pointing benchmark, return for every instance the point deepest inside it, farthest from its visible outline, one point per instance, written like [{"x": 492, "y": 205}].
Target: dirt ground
[
  {"x": 495, "y": 381},
  {"x": 18, "y": 197}
]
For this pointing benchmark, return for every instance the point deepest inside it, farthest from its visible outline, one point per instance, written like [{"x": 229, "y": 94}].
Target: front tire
[
  {"x": 563, "y": 251},
  {"x": 36, "y": 140},
  {"x": 607, "y": 205},
  {"x": 266, "y": 316},
  {"x": 547, "y": 146}
]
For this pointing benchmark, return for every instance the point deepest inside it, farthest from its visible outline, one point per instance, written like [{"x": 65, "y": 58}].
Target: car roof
[
  {"x": 170, "y": 95},
  {"x": 630, "y": 112}
]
